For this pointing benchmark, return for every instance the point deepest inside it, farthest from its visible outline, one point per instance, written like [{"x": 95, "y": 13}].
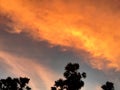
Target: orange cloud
[{"x": 77, "y": 24}]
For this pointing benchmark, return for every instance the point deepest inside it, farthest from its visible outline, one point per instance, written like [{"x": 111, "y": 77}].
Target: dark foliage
[
  {"x": 108, "y": 86},
  {"x": 73, "y": 78},
  {"x": 14, "y": 84}
]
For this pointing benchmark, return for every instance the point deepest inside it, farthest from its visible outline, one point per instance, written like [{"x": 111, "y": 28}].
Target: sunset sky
[{"x": 39, "y": 37}]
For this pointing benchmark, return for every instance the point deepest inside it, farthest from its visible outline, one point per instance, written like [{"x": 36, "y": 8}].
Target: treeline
[{"x": 73, "y": 81}]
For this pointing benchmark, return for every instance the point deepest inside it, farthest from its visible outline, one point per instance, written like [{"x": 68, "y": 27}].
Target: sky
[{"x": 39, "y": 37}]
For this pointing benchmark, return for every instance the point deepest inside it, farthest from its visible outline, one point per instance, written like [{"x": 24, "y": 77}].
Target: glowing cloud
[{"x": 79, "y": 24}]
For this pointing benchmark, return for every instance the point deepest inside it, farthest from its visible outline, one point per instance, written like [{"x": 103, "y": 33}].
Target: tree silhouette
[
  {"x": 108, "y": 86},
  {"x": 73, "y": 78},
  {"x": 14, "y": 84}
]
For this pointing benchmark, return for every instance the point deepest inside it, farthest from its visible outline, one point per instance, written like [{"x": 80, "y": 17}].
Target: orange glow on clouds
[{"x": 76, "y": 24}]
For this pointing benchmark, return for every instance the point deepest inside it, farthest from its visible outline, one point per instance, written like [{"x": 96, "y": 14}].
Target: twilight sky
[{"x": 39, "y": 37}]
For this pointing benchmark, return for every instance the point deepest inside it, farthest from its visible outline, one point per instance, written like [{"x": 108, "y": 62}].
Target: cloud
[
  {"x": 81, "y": 25},
  {"x": 19, "y": 66},
  {"x": 98, "y": 88}
]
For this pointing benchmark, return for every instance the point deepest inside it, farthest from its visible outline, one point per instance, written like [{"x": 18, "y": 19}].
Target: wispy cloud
[{"x": 20, "y": 66}]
